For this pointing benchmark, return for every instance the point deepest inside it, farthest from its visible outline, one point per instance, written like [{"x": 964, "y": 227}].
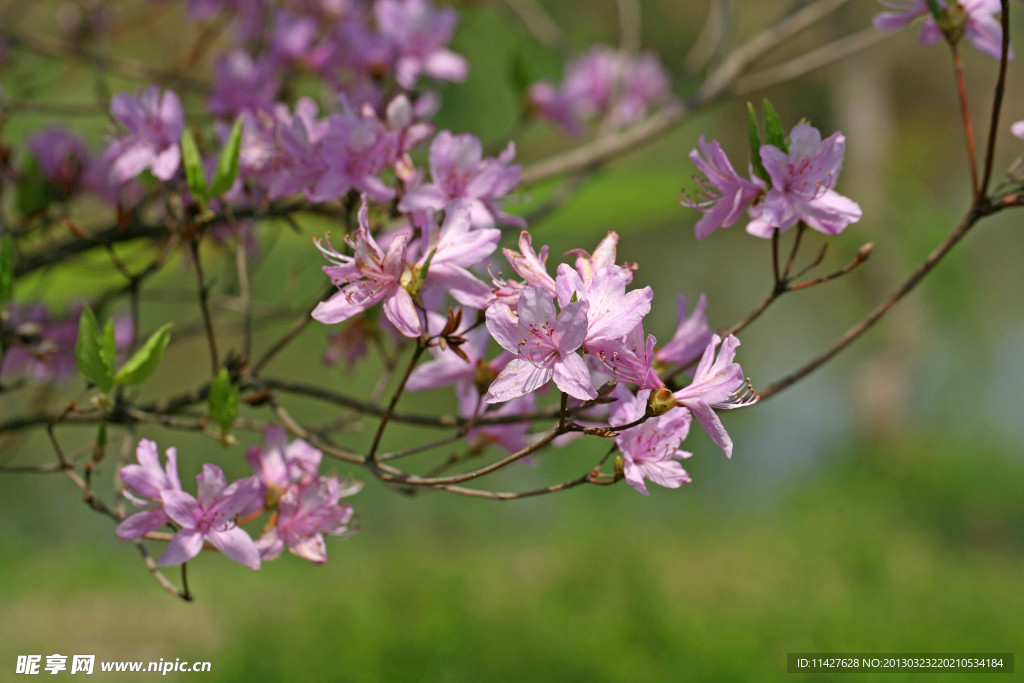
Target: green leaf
[
  {"x": 108, "y": 349},
  {"x": 227, "y": 167},
  {"x": 223, "y": 400},
  {"x": 755, "y": 145},
  {"x": 194, "y": 172},
  {"x": 773, "y": 128},
  {"x": 936, "y": 9},
  {"x": 6, "y": 270},
  {"x": 91, "y": 354},
  {"x": 142, "y": 364}
]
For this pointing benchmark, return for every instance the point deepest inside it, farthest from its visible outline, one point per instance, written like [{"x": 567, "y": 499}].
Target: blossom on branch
[
  {"x": 972, "y": 18},
  {"x": 154, "y": 123},
  {"x": 650, "y": 449},
  {"x": 718, "y": 384}
]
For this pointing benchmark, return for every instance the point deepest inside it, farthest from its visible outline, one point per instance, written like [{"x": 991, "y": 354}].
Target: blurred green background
[{"x": 877, "y": 506}]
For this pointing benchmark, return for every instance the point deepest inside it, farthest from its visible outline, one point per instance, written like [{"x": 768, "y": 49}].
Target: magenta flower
[
  {"x": 980, "y": 26},
  {"x": 418, "y": 34},
  {"x": 718, "y": 384},
  {"x": 544, "y": 342},
  {"x": 154, "y": 125},
  {"x": 370, "y": 276},
  {"x": 305, "y": 513},
  {"x": 459, "y": 171},
  {"x": 651, "y": 449},
  {"x": 727, "y": 194},
  {"x": 211, "y": 517},
  {"x": 802, "y": 182},
  {"x": 150, "y": 482},
  {"x": 692, "y": 335}
]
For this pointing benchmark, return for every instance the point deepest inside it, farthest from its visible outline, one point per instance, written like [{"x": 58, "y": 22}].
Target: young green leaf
[
  {"x": 194, "y": 172},
  {"x": 6, "y": 270},
  {"x": 91, "y": 354},
  {"x": 141, "y": 365},
  {"x": 755, "y": 145},
  {"x": 33, "y": 192},
  {"x": 227, "y": 167},
  {"x": 773, "y": 128},
  {"x": 223, "y": 400}
]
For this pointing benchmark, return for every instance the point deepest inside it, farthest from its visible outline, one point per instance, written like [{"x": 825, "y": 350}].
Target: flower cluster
[
  {"x": 286, "y": 483},
  {"x": 797, "y": 189},
  {"x": 602, "y": 85}
]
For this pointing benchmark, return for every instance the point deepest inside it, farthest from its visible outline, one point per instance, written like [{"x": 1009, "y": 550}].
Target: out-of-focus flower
[
  {"x": 602, "y": 82},
  {"x": 63, "y": 158},
  {"x": 974, "y": 17},
  {"x": 418, "y": 34},
  {"x": 693, "y": 334},
  {"x": 459, "y": 171},
  {"x": 154, "y": 124},
  {"x": 242, "y": 84},
  {"x": 306, "y": 512},
  {"x": 650, "y": 449},
  {"x": 718, "y": 384}
]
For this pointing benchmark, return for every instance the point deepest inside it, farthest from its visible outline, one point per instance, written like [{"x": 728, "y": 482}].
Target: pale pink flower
[
  {"x": 305, "y": 512},
  {"x": 692, "y": 335},
  {"x": 718, "y": 384},
  {"x": 650, "y": 449},
  {"x": 726, "y": 194},
  {"x": 149, "y": 482},
  {"x": 154, "y": 124}
]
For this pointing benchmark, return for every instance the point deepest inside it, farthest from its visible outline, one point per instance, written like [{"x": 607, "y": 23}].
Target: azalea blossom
[
  {"x": 418, "y": 34},
  {"x": 280, "y": 463},
  {"x": 718, "y": 384},
  {"x": 691, "y": 337},
  {"x": 544, "y": 342},
  {"x": 154, "y": 124},
  {"x": 727, "y": 195},
  {"x": 459, "y": 171},
  {"x": 149, "y": 482},
  {"x": 980, "y": 26},
  {"x": 651, "y": 449},
  {"x": 802, "y": 182},
  {"x": 210, "y": 517},
  {"x": 368, "y": 277},
  {"x": 306, "y": 512}
]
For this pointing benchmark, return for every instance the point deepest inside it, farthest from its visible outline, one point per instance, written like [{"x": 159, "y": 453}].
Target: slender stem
[
  {"x": 204, "y": 295},
  {"x": 421, "y": 346},
  {"x": 801, "y": 228},
  {"x": 972, "y": 152},
  {"x": 242, "y": 266},
  {"x": 997, "y": 98}
]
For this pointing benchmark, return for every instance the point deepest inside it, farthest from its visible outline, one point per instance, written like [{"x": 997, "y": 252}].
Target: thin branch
[
  {"x": 965, "y": 113},
  {"x": 997, "y": 98}
]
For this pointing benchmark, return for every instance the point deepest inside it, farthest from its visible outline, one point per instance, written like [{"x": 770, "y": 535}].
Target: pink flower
[
  {"x": 692, "y": 335},
  {"x": 241, "y": 84},
  {"x": 306, "y": 512},
  {"x": 727, "y": 194},
  {"x": 279, "y": 464},
  {"x": 211, "y": 517},
  {"x": 459, "y": 171},
  {"x": 979, "y": 25},
  {"x": 154, "y": 124},
  {"x": 150, "y": 482},
  {"x": 544, "y": 342},
  {"x": 802, "y": 182},
  {"x": 602, "y": 82},
  {"x": 651, "y": 449},
  {"x": 418, "y": 34},
  {"x": 718, "y": 384},
  {"x": 62, "y": 156},
  {"x": 369, "y": 277}
]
